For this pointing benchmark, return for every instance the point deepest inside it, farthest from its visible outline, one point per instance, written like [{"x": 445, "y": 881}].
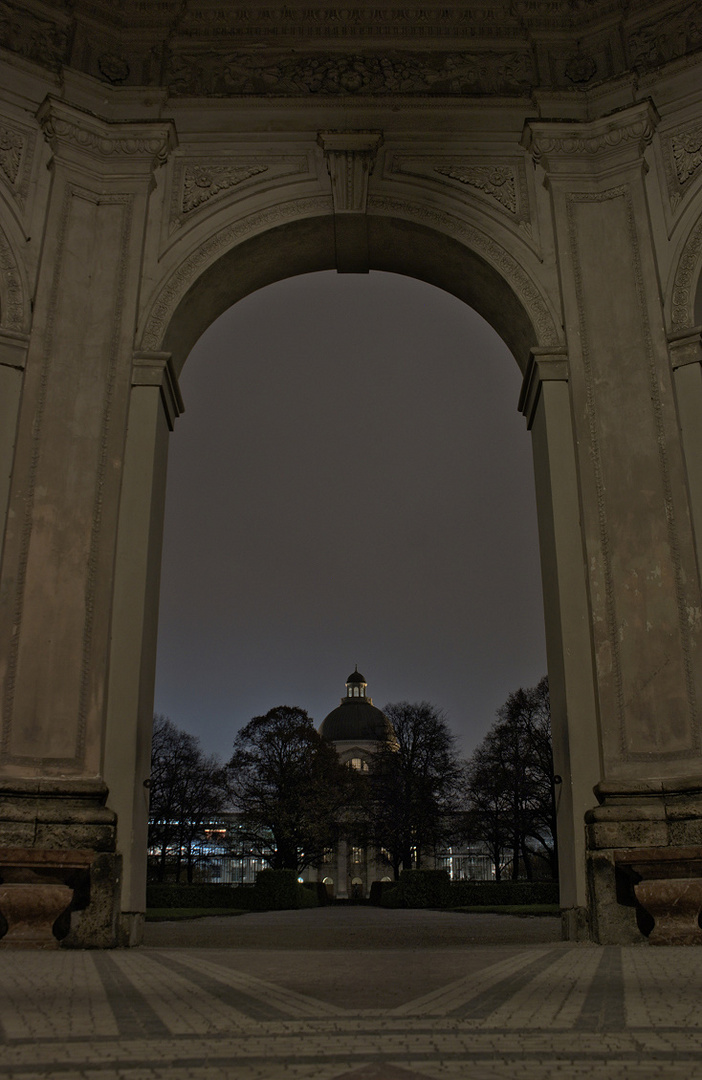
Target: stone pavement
[{"x": 352, "y": 994}]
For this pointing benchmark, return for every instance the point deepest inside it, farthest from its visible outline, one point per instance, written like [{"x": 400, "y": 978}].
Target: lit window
[
  {"x": 356, "y": 763},
  {"x": 357, "y": 854}
]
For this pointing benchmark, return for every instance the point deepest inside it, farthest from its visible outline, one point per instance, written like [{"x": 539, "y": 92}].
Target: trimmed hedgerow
[
  {"x": 198, "y": 896},
  {"x": 419, "y": 889},
  {"x": 378, "y": 890},
  {"x": 432, "y": 888},
  {"x": 279, "y": 890},
  {"x": 499, "y": 893}
]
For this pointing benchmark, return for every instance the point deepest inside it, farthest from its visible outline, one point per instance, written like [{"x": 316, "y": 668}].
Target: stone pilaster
[
  {"x": 545, "y": 402},
  {"x": 155, "y": 403},
  {"x": 56, "y": 591},
  {"x": 643, "y": 582}
]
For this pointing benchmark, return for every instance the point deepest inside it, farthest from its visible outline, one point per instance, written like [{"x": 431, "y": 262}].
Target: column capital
[
  {"x": 156, "y": 369},
  {"x": 545, "y": 365},
  {"x": 574, "y": 147},
  {"x": 686, "y": 347},
  {"x": 134, "y": 146}
]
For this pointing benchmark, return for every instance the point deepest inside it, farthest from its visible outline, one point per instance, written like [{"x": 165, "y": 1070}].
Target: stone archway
[{"x": 134, "y": 231}]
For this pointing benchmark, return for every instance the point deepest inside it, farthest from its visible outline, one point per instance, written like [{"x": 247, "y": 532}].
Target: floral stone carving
[
  {"x": 201, "y": 183},
  {"x": 496, "y": 181}
]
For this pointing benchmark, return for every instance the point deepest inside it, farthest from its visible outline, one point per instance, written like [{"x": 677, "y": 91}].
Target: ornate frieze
[
  {"x": 26, "y": 33},
  {"x": 671, "y": 35},
  {"x": 281, "y": 49},
  {"x": 276, "y": 74}
]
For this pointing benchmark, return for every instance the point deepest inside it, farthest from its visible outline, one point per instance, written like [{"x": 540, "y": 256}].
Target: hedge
[
  {"x": 274, "y": 890},
  {"x": 198, "y": 896},
  {"x": 432, "y": 888},
  {"x": 279, "y": 890},
  {"x": 419, "y": 889},
  {"x": 499, "y": 893},
  {"x": 378, "y": 890}
]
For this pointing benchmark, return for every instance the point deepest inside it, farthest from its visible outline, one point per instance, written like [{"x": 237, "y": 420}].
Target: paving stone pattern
[{"x": 270, "y": 1012}]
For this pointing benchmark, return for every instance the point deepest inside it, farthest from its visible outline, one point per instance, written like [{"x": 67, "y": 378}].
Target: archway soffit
[{"x": 200, "y": 258}]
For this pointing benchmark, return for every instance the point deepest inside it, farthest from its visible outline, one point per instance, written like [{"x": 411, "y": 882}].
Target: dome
[
  {"x": 356, "y": 677},
  {"x": 356, "y": 720}
]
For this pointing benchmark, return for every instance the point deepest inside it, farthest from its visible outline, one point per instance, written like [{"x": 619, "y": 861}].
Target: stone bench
[
  {"x": 667, "y": 884},
  {"x": 37, "y": 886}
]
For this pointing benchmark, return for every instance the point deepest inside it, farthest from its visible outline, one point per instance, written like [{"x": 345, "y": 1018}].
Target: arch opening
[{"x": 395, "y": 246}]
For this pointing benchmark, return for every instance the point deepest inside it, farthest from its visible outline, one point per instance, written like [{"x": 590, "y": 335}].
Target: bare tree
[
  {"x": 414, "y": 785},
  {"x": 289, "y": 787},
  {"x": 510, "y": 783},
  {"x": 188, "y": 790}
]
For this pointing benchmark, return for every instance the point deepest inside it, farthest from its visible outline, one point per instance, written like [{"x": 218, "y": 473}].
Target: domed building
[
  {"x": 357, "y": 729},
  {"x": 356, "y": 726}
]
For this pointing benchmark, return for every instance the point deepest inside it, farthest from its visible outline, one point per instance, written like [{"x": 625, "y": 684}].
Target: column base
[
  {"x": 644, "y": 836},
  {"x": 58, "y": 833}
]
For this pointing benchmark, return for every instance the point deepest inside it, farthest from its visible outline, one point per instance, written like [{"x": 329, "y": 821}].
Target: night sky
[{"x": 351, "y": 483}]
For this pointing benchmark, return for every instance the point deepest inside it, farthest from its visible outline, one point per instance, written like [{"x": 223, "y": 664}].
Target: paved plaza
[{"x": 352, "y": 993}]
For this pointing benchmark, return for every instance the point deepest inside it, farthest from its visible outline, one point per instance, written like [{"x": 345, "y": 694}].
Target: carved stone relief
[
  {"x": 16, "y": 152},
  {"x": 282, "y": 74},
  {"x": 666, "y": 38},
  {"x": 682, "y": 152},
  {"x": 27, "y": 34},
  {"x": 203, "y": 181},
  {"x": 686, "y": 275},
  {"x": 502, "y": 185},
  {"x": 13, "y": 315}
]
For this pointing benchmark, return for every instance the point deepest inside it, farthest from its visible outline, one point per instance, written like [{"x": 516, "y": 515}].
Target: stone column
[
  {"x": 545, "y": 402},
  {"x": 642, "y": 573},
  {"x": 57, "y": 577},
  {"x": 155, "y": 402},
  {"x": 341, "y": 890}
]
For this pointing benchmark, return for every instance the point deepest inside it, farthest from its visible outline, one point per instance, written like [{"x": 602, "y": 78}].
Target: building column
[
  {"x": 57, "y": 576},
  {"x": 341, "y": 891},
  {"x": 545, "y": 402},
  {"x": 642, "y": 572},
  {"x": 155, "y": 402}
]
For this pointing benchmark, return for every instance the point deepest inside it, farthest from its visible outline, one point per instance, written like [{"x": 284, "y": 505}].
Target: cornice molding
[
  {"x": 552, "y": 143},
  {"x": 64, "y": 125}
]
